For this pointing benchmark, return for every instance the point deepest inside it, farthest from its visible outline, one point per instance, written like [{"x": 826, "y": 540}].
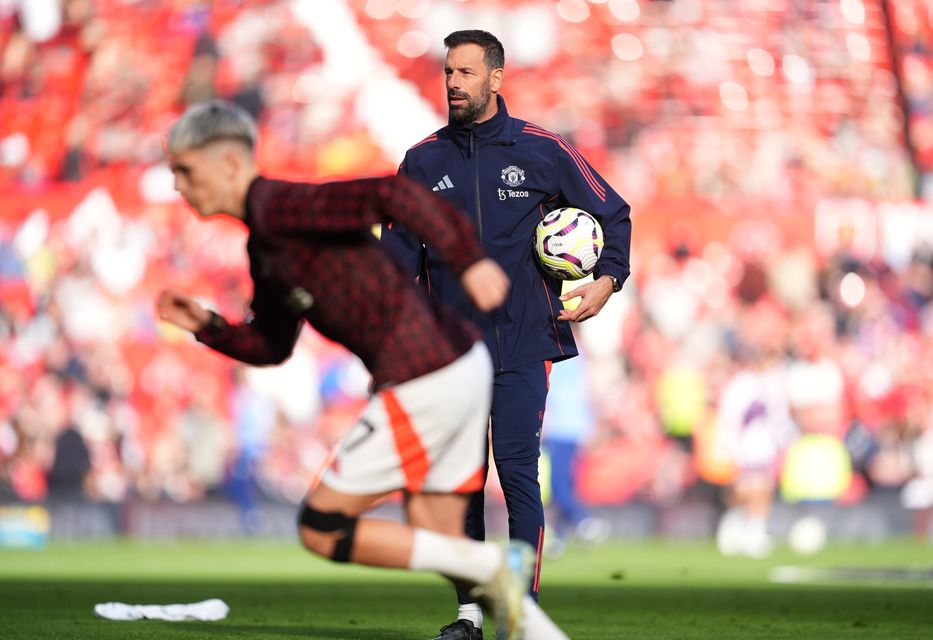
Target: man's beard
[{"x": 474, "y": 108}]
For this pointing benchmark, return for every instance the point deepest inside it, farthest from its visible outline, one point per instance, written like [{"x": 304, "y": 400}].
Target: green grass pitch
[{"x": 648, "y": 591}]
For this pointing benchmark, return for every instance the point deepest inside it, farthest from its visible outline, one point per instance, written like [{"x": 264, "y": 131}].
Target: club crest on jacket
[{"x": 513, "y": 176}]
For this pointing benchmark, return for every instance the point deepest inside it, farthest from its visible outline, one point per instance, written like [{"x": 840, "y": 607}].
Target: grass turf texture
[{"x": 633, "y": 590}]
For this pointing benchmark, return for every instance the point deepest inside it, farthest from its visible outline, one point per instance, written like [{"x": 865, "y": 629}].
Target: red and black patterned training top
[{"x": 313, "y": 257}]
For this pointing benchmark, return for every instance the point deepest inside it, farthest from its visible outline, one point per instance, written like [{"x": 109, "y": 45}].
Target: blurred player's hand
[
  {"x": 182, "y": 311},
  {"x": 593, "y": 296},
  {"x": 486, "y": 284}
]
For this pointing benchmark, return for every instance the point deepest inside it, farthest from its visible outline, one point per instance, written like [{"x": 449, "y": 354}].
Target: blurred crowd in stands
[
  {"x": 766, "y": 359},
  {"x": 911, "y": 37}
]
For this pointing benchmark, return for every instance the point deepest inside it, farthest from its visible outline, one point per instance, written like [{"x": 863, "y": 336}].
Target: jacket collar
[{"x": 498, "y": 127}]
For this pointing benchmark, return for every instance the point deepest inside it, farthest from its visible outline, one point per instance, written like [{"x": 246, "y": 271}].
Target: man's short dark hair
[{"x": 493, "y": 53}]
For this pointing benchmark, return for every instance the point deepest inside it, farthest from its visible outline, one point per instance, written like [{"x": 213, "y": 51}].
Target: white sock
[
  {"x": 471, "y": 612},
  {"x": 459, "y": 558}
]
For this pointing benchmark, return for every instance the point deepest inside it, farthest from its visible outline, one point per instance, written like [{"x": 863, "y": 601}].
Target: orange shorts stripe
[
  {"x": 411, "y": 452},
  {"x": 474, "y": 482}
]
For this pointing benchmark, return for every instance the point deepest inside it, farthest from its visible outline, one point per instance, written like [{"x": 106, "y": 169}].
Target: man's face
[
  {"x": 469, "y": 91},
  {"x": 201, "y": 179}
]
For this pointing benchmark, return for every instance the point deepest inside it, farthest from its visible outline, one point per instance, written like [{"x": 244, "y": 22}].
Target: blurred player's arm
[
  {"x": 293, "y": 209},
  {"x": 268, "y": 337},
  {"x": 449, "y": 231},
  {"x": 356, "y": 205}
]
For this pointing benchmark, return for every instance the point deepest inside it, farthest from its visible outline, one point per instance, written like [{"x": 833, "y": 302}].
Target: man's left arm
[
  {"x": 582, "y": 187},
  {"x": 354, "y": 206}
]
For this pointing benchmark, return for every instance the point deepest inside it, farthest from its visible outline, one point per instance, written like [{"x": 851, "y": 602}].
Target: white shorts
[{"x": 425, "y": 435}]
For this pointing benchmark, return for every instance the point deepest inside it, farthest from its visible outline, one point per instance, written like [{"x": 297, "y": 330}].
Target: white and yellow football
[{"x": 568, "y": 242}]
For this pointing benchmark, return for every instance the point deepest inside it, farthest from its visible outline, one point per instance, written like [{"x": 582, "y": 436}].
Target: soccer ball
[
  {"x": 568, "y": 242},
  {"x": 807, "y": 536}
]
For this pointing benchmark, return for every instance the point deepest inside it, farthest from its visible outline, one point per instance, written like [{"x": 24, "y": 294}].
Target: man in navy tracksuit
[{"x": 507, "y": 174}]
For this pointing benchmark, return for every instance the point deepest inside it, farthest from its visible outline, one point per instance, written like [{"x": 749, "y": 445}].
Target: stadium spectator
[{"x": 755, "y": 422}]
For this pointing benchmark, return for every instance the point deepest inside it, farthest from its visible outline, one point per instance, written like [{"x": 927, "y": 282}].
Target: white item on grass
[{"x": 209, "y": 610}]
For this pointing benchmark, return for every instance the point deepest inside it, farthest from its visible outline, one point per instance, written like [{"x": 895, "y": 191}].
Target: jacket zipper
[{"x": 474, "y": 151}]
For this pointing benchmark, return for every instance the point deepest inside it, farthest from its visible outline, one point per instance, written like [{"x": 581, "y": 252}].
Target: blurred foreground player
[{"x": 312, "y": 258}]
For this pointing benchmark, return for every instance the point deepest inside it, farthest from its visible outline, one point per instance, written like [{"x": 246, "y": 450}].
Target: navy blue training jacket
[{"x": 507, "y": 174}]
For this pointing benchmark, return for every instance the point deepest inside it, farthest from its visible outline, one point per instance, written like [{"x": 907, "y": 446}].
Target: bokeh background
[{"x": 770, "y": 360}]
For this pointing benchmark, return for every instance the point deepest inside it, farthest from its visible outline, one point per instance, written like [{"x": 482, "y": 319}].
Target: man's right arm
[
  {"x": 266, "y": 339},
  {"x": 405, "y": 246}
]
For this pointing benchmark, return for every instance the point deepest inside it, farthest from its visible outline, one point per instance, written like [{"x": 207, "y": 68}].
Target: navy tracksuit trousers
[{"x": 518, "y": 400}]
